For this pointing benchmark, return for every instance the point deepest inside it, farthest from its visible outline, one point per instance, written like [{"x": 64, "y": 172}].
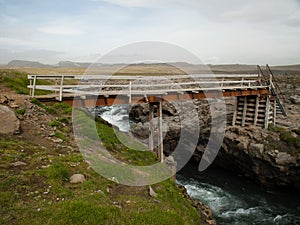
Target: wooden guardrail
[{"x": 144, "y": 85}]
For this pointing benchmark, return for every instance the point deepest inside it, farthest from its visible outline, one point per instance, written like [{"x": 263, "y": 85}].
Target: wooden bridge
[{"x": 258, "y": 96}]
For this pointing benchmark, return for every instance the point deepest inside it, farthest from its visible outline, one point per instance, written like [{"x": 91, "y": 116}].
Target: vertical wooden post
[
  {"x": 160, "y": 134},
  {"x": 244, "y": 112},
  {"x": 222, "y": 83},
  {"x": 242, "y": 82},
  {"x": 129, "y": 92},
  {"x": 267, "y": 112},
  {"x": 256, "y": 110},
  {"x": 151, "y": 126},
  {"x": 234, "y": 116},
  {"x": 61, "y": 88},
  {"x": 30, "y": 84},
  {"x": 235, "y": 112},
  {"x": 33, "y": 87}
]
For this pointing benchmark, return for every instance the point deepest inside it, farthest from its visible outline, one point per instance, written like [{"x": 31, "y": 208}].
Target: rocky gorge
[{"x": 269, "y": 157}]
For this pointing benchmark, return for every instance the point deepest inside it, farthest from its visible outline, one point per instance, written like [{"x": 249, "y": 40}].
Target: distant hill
[
  {"x": 24, "y": 63},
  {"x": 240, "y": 68},
  {"x": 162, "y": 67}
]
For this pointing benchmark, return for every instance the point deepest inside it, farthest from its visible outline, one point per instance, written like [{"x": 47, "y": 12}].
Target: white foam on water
[
  {"x": 117, "y": 115},
  {"x": 240, "y": 212}
]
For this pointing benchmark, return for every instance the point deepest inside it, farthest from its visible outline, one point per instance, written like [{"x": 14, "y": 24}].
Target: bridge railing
[{"x": 131, "y": 85}]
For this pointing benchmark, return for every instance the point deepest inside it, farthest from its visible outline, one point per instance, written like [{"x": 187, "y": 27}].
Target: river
[
  {"x": 233, "y": 199},
  {"x": 236, "y": 200}
]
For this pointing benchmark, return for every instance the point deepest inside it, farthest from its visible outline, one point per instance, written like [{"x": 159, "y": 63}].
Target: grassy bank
[{"x": 35, "y": 187}]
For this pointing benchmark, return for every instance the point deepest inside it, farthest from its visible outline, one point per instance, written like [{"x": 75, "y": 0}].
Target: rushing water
[
  {"x": 116, "y": 115},
  {"x": 233, "y": 199}
]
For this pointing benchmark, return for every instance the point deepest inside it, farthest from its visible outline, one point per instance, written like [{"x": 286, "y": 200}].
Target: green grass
[
  {"x": 49, "y": 108},
  {"x": 286, "y": 136},
  {"x": 20, "y": 111},
  {"x": 18, "y": 82},
  {"x": 36, "y": 195},
  {"x": 54, "y": 123},
  {"x": 59, "y": 135},
  {"x": 58, "y": 171},
  {"x": 135, "y": 156},
  {"x": 63, "y": 107},
  {"x": 40, "y": 193},
  {"x": 64, "y": 120}
]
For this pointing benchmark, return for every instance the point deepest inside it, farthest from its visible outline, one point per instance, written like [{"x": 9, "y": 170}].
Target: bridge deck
[{"x": 99, "y": 90}]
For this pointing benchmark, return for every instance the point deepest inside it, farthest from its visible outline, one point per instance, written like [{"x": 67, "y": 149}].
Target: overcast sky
[{"x": 217, "y": 31}]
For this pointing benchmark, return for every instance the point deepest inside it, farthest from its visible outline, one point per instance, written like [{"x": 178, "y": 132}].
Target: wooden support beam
[
  {"x": 235, "y": 112},
  {"x": 256, "y": 110},
  {"x": 244, "y": 112},
  {"x": 151, "y": 127},
  {"x": 160, "y": 134},
  {"x": 266, "y": 124}
]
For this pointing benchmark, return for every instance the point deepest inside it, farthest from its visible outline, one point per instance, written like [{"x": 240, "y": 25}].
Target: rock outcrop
[
  {"x": 260, "y": 155},
  {"x": 270, "y": 157},
  {"x": 8, "y": 120}
]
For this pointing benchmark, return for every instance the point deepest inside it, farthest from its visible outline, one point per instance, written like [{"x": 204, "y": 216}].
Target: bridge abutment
[{"x": 255, "y": 110}]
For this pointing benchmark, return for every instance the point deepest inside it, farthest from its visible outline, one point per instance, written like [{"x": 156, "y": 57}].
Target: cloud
[
  {"x": 14, "y": 41},
  {"x": 61, "y": 30},
  {"x": 219, "y": 31},
  {"x": 294, "y": 19},
  {"x": 138, "y": 3},
  {"x": 41, "y": 55},
  {"x": 294, "y": 22},
  {"x": 261, "y": 11}
]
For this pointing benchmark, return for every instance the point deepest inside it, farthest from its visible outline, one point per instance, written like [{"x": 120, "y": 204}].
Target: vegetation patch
[
  {"x": 20, "y": 111},
  {"x": 39, "y": 191},
  {"x": 18, "y": 82}
]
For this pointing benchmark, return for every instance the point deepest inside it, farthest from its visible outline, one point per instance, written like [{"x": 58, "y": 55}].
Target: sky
[{"x": 217, "y": 32}]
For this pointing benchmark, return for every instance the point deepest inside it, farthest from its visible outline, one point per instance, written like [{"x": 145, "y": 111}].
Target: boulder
[
  {"x": 284, "y": 158},
  {"x": 152, "y": 193},
  {"x": 295, "y": 99},
  {"x": 77, "y": 178},
  {"x": 10, "y": 124},
  {"x": 256, "y": 149},
  {"x": 18, "y": 163}
]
